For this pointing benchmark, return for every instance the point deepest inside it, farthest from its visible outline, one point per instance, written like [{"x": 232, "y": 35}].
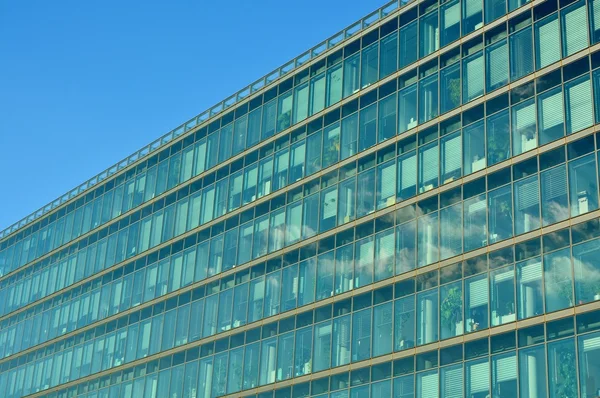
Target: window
[
  {"x": 521, "y": 59},
  {"x": 450, "y": 21},
  {"x": 429, "y": 38},
  {"x": 473, "y": 77},
  {"x": 502, "y": 289},
  {"x": 529, "y": 288},
  {"x": 574, "y": 28},
  {"x": 583, "y": 185},
  {"x": 472, "y": 15},
  {"x": 547, "y": 41},
  {"x": 578, "y": 104},
  {"x": 496, "y": 65}
]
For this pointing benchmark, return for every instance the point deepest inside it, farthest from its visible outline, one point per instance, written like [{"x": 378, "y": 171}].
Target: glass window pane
[
  {"x": 428, "y": 167},
  {"x": 477, "y": 378},
  {"x": 367, "y": 128},
  {"x": 476, "y": 303},
  {"x": 429, "y": 38},
  {"x": 404, "y": 323},
  {"x": 284, "y": 110},
  {"x": 529, "y": 288},
  {"x": 451, "y": 232},
  {"x": 502, "y": 286},
  {"x": 317, "y": 94},
  {"x": 428, "y": 98},
  {"x": 387, "y": 118},
  {"x": 340, "y": 353},
  {"x": 472, "y": 15},
  {"x": 322, "y": 349},
  {"x": 558, "y": 280},
  {"x": 361, "y": 335},
  {"x": 427, "y": 384},
  {"x": 407, "y": 108},
  {"x": 521, "y": 58},
  {"x": 554, "y": 195},
  {"x": 451, "y": 310},
  {"x": 527, "y": 205},
  {"x": 583, "y": 185},
  {"x": 427, "y": 317},
  {"x": 532, "y": 372},
  {"x": 428, "y": 239},
  {"x": 349, "y": 136},
  {"x": 388, "y": 63},
  {"x": 450, "y": 21},
  {"x": 303, "y": 350},
  {"x": 300, "y": 104},
  {"x": 369, "y": 65},
  {"x": 334, "y": 85},
  {"x": 408, "y": 44},
  {"x": 450, "y": 88},
  {"x": 494, "y": 9},
  {"x": 498, "y": 137},
  {"x": 574, "y": 28},
  {"x": 496, "y": 58},
  {"x": 524, "y": 127},
  {"x": 344, "y": 269},
  {"x": 474, "y": 148},
  {"x": 589, "y": 363},
  {"x": 547, "y": 41},
  {"x": 504, "y": 375},
  {"x": 578, "y": 104},
  {"x": 473, "y": 77},
  {"x": 351, "y": 75}
]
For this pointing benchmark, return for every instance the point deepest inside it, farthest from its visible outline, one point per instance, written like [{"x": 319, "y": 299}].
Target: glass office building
[{"x": 409, "y": 209}]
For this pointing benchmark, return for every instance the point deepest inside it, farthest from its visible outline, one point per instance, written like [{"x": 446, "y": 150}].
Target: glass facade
[{"x": 414, "y": 213}]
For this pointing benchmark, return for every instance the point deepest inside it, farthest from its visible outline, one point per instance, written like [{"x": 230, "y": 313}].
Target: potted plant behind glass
[{"x": 451, "y": 311}]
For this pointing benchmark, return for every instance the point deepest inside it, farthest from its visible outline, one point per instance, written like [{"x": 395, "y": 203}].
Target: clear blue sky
[{"x": 84, "y": 84}]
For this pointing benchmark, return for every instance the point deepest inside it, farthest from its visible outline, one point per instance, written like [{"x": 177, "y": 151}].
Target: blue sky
[{"x": 83, "y": 84}]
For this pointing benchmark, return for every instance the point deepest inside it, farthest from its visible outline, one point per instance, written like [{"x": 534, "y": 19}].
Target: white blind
[
  {"x": 575, "y": 30},
  {"x": 388, "y": 181},
  {"x": 552, "y": 110},
  {"x": 453, "y": 383},
  {"x": 477, "y": 206},
  {"x": 479, "y": 377},
  {"x": 408, "y": 171},
  {"x": 591, "y": 344},
  {"x": 478, "y": 293},
  {"x": 504, "y": 276},
  {"x": 473, "y": 7},
  {"x": 451, "y": 15},
  {"x": 429, "y": 386},
  {"x": 527, "y": 194},
  {"x": 429, "y": 163},
  {"x": 525, "y": 116},
  {"x": 531, "y": 272},
  {"x": 548, "y": 41},
  {"x": 554, "y": 183},
  {"x": 498, "y": 64},
  {"x": 579, "y": 105},
  {"x": 506, "y": 369},
  {"x": 475, "y": 77},
  {"x": 452, "y": 154}
]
